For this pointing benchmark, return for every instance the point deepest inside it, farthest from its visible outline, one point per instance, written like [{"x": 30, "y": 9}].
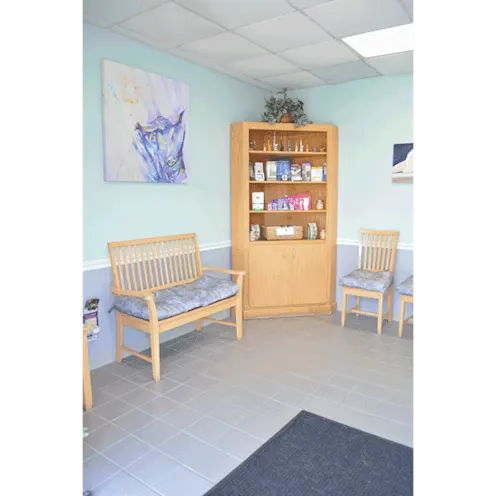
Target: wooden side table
[{"x": 87, "y": 394}]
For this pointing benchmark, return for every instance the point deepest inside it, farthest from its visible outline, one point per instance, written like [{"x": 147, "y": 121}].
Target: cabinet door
[
  {"x": 269, "y": 275},
  {"x": 310, "y": 282}
]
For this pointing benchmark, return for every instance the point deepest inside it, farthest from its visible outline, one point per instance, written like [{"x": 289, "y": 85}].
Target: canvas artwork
[
  {"x": 403, "y": 163},
  {"x": 145, "y": 126}
]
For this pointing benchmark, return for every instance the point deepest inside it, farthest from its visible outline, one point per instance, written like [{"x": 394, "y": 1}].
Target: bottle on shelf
[
  {"x": 301, "y": 145},
  {"x": 289, "y": 145},
  {"x": 269, "y": 146},
  {"x": 296, "y": 146},
  {"x": 265, "y": 146},
  {"x": 281, "y": 147}
]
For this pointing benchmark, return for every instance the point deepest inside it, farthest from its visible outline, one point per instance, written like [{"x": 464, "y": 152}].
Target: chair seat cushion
[
  {"x": 406, "y": 287},
  {"x": 179, "y": 299},
  {"x": 366, "y": 279}
]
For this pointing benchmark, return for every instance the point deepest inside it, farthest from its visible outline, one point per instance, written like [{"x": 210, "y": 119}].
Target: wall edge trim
[{"x": 104, "y": 263}]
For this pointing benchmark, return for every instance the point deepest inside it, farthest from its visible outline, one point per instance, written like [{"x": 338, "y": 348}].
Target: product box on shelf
[
  {"x": 259, "y": 171},
  {"x": 271, "y": 170},
  {"x": 283, "y": 170},
  {"x": 306, "y": 168},
  {"x": 312, "y": 230},
  {"x": 296, "y": 172},
  {"x": 257, "y": 200},
  {"x": 251, "y": 171},
  {"x": 316, "y": 174}
]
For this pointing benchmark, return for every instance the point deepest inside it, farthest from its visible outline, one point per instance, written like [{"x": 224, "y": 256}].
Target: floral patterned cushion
[
  {"x": 179, "y": 299},
  {"x": 207, "y": 289},
  {"x": 365, "y": 279},
  {"x": 406, "y": 287}
]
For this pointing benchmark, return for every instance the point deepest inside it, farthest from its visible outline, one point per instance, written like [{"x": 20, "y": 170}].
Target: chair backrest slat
[
  {"x": 154, "y": 263},
  {"x": 377, "y": 250}
]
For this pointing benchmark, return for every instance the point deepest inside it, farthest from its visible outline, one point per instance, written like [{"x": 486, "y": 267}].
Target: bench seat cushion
[
  {"x": 365, "y": 279},
  {"x": 406, "y": 287},
  {"x": 179, "y": 299}
]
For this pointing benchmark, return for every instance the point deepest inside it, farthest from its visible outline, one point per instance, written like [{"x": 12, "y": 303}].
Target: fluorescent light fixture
[{"x": 382, "y": 42}]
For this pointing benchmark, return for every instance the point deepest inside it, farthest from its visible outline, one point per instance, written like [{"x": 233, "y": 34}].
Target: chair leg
[
  {"x": 402, "y": 316},
  {"x": 199, "y": 325},
  {"x": 357, "y": 304},
  {"x": 343, "y": 306},
  {"x": 390, "y": 306},
  {"x": 119, "y": 337},
  {"x": 239, "y": 318},
  {"x": 380, "y": 312},
  {"x": 155, "y": 346}
]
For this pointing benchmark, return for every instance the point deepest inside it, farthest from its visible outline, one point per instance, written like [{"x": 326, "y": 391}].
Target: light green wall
[
  {"x": 372, "y": 115},
  {"x": 118, "y": 211}
]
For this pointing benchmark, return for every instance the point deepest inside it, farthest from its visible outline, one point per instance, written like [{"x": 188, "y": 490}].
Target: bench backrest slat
[{"x": 155, "y": 263}]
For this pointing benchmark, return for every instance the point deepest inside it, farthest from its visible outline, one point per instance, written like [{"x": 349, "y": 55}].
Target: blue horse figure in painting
[{"x": 160, "y": 146}]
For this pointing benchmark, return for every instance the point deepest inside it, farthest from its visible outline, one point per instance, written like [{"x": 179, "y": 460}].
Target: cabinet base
[{"x": 283, "y": 311}]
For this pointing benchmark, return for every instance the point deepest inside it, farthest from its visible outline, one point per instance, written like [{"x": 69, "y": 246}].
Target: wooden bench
[{"x": 159, "y": 285}]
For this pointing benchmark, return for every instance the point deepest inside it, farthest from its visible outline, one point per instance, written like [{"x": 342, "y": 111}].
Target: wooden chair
[
  {"x": 406, "y": 296},
  {"x": 374, "y": 276},
  {"x": 142, "y": 267}
]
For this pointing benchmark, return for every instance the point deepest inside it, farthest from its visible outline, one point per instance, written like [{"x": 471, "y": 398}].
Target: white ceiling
[{"x": 269, "y": 43}]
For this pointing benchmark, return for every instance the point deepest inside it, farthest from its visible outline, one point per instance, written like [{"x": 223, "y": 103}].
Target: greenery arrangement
[{"x": 285, "y": 109}]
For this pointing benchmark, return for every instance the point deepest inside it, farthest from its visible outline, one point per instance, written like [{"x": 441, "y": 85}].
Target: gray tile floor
[{"x": 220, "y": 399}]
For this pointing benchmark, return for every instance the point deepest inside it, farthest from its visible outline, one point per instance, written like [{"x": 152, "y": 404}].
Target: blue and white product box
[{"x": 283, "y": 170}]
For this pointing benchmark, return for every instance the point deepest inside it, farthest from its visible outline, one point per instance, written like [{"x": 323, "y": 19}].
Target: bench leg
[
  {"x": 380, "y": 312},
  {"x": 199, "y": 325},
  {"x": 155, "y": 346},
  {"x": 357, "y": 304},
  {"x": 119, "y": 338},
  {"x": 239, "y": 318},
  {"x": 401, "y": 323},
  {"x": 87, "y": 393}
]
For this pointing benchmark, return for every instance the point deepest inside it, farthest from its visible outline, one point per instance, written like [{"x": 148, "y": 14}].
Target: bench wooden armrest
[
  {"x": 226, "y": 271},
  {"x": 145, "y": 295}
]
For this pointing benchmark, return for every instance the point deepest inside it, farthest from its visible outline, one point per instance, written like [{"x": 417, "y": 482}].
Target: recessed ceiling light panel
[{"x": 382, "y": 42}]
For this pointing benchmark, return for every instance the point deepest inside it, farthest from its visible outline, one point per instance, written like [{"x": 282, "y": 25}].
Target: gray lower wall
[
  {"x": 347, "y": 261},
  {"x": 97, "y": 283}
]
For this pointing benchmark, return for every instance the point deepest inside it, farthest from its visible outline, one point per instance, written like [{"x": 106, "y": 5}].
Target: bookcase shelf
[
  {"x": 287, "y": 211},
  {"x": 284, "y": 277},
  {"x": 287, "y": 154},
  {"x": 288, "y": 182}
]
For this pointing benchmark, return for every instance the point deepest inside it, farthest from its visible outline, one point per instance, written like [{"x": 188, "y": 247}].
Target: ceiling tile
[
  {"x": 395, "y": 63},
  {"x": 294, "y": 81},
  {"x": 242, "y": 77},
  {"x": 191, "y": 57},
  {"x": 409, "y": 7},
  {"x": 172, "y": 25},
  {"x": 107, "y": 12},
  {"x": 305, "y": 4},
  {"x": 96, "y": 21},
  {"x": 139, "y": 37},
  {"x": 282, "y": 33},
  {"x": 224, "y": 48},
  {"x": 344, "y": 18},
  {"x": 345, "y": 72},
  {"x": 322, "y": 54},
  {"x": 234, "y": 14},
  {"x": 265, "y": 66}
]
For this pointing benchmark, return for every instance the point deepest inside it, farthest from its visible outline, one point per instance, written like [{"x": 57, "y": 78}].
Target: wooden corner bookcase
[{"x": 285, "y": 277}]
